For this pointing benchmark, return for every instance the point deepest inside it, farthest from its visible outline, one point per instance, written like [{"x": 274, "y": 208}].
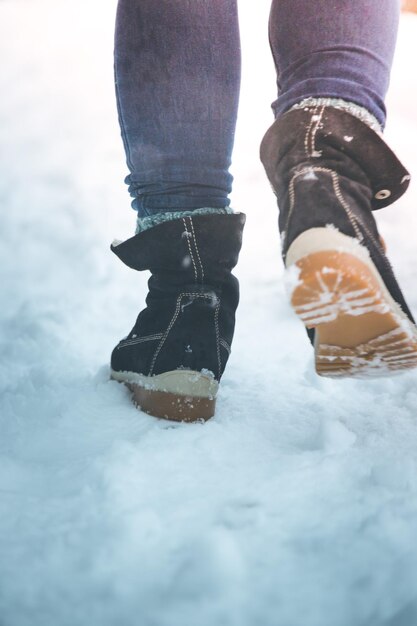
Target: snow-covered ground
[{"x": 297, "y": 504}]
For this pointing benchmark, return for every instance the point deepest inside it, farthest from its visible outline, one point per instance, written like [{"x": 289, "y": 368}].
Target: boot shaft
[
  {"x": 197, "y": 250},
  {"x": 189, "y": 319},
  {"x": 323, "y": 162},
  {"x": 332, "y": 138}
]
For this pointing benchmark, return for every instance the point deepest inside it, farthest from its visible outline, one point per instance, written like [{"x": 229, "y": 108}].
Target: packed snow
[{"x": 297, "y": 504}]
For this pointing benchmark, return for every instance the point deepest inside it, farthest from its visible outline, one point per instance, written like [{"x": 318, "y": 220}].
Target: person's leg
[
  {"x": 177, "y": 69},
  {"x": 333, "y": 49},
  {"x": 330, "y": 169}
]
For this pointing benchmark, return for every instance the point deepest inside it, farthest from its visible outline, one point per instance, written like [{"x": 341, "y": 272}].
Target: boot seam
[
  {"x": 188, "y": 234},
  {"x": 225, "y": 345},
  {"x": 174, "y": 319},
  {"x": 165, "y": 335},
  {"x": 314, "y": 152},
  {"x": 355, "y": 221},
  {"x": 312, "y": 129},
  {"x": 308, "y": 129},
  {"x": 134, "y": 341},
  {"x": 197, "y": 250},
  {"x": 352, "y": 217},
  {"x": 216, "y": 326}
]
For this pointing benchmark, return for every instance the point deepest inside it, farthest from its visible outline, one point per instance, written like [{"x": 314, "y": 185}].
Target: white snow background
[{"x": 297, "y": 504}]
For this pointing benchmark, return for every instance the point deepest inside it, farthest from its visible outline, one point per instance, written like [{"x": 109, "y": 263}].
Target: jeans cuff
[{"x": 144, "y": 223}]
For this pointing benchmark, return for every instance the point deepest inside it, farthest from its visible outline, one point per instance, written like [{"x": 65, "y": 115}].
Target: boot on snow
[
  {"x": 330, "y": 171},
  {"x": 176, "y": 353}
]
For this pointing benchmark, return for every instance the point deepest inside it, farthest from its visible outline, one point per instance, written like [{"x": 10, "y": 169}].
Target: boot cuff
[
  {"x": 210, "y": 239},
  {"x": 311, "y": 133}
]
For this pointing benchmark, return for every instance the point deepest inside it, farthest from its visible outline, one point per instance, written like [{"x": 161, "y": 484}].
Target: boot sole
[
  {"x": 360, "y": 331},
  {"x": 179, "y": 395}
]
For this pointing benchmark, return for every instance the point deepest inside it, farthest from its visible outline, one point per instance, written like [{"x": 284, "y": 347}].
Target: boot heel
[
  {"x": 359, "y": 329},
  {"x": 179, "y": 395}
]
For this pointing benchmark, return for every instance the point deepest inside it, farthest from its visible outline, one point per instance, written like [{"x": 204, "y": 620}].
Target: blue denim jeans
[{"x": 177, "y": 72}]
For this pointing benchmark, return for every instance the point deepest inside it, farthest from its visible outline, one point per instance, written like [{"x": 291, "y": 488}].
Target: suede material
[
  {"x": 324, "y": 165},
  {"x": 163, "y": 248},
  {"x": 336, "y": 134},
  {"x": 189, "y": 319},
  {"x": 315, "y": 205}
]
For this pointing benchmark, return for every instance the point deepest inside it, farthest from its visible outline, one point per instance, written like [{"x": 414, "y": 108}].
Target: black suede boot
[
  {"x": 329, "y": 171},
  {"x": 176, "y": 353}
]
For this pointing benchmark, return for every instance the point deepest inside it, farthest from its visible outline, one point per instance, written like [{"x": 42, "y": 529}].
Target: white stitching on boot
[
  {"x": 310, "y": 136},
  {"x": 306, "y": 138},
  {"x": 189, "y": 248},
  {"x": 161, "y": 343},
  {"x": 174, "y": 319},
  {"x": 354, "y": 220},
  {"x": 225, "y": 345},
  {"x": 133, "y": 341},
  {"x": 216, "y": 324},
  {"x": 352, "y": 217},
  {"x": 314, "y": 152},
  {"x": 196, "y": 249}
]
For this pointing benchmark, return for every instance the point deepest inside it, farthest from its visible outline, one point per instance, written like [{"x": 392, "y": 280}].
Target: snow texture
[{"x": 297, "y": 504}]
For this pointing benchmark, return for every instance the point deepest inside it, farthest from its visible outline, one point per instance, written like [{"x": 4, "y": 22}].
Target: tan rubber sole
[
  {"x": 171, "y": 406},
  {"x": 179, "y": 395},
  {"x": 359, "y": 329}
]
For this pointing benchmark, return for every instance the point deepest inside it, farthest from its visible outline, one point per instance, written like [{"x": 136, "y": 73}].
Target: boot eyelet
[{"x": 383, "y": 194}]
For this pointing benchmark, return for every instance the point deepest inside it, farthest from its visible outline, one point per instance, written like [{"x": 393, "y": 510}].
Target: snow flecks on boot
[
  {"x": 342, "y": 105},
  {"x": 387, "y": 354},
  {"x": 329, "y": 295},
  {"x": 360, "y": 331}
]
